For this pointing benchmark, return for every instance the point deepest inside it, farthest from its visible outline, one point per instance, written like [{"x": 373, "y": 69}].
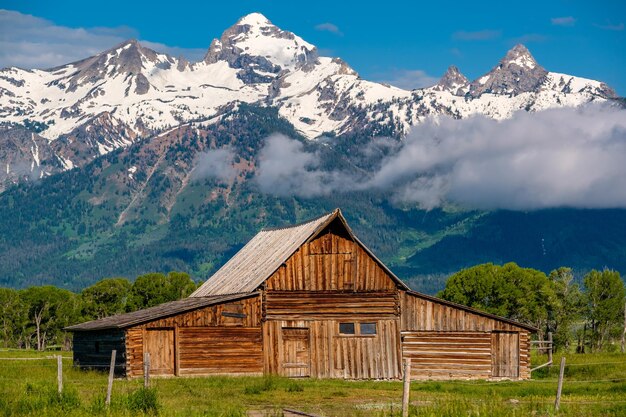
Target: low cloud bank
[
  {"x": 569, "y": 157},
  {"x": 215, "y": 163}
]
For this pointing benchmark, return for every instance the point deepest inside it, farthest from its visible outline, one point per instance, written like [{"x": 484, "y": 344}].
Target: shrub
[{"x": 144, "y": 400}]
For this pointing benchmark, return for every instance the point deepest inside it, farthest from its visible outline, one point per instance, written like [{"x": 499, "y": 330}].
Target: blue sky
[{"x": 406, "y": 43}]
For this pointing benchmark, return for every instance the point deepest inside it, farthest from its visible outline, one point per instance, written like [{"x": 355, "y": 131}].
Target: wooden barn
[{"x": 309, "y": 300}]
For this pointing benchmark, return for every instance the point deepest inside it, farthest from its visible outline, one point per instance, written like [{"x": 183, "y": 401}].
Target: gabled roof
[
  {"x": 267, "y": 251},
  {"x": 122, "y": 321}
]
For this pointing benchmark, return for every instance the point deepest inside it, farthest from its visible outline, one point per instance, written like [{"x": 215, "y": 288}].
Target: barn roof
[
  {"x": 267, "y": 251},
  {"x": 122, "y": 321}
]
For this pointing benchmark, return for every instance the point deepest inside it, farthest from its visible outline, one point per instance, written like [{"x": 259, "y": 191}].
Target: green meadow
[{"x": 594, "y": 385}]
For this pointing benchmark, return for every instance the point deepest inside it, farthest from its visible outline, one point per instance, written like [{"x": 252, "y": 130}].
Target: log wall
[
  {"x": 93, "y": 349},
  {"x": 448, "y": 355},
  {"x": 224, "y": 338},
  {"x": 294, "y": 305}
]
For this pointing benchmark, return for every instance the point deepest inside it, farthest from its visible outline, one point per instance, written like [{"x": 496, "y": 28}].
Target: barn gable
[{"x": 319, "y": 255}]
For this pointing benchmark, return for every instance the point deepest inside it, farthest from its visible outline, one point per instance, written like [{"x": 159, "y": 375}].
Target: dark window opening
[
  {"x": 368, "y": 328},
  {"x": 346, "y": 328}
]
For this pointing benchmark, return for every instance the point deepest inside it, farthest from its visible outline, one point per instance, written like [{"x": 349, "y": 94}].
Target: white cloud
[
  {"x": 555, "y": 158},
  {"x": 610, "y": 26},
  {"x": 569, "y": 157},
  {"x": 215, "y": 163},
  {"x": 286, "y": 168},
  {"x": 407, "y": 79},
  {"x": 329, "y": 27},
  {"x": 32, "y": 42},
  {"x": 563, "y": 21}
]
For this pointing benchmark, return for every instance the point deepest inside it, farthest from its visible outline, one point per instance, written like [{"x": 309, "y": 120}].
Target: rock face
[
  {"x": 517, "y": 72},
  {"x": 88, "y": 108},
  {"x": 453, "y": 81}
]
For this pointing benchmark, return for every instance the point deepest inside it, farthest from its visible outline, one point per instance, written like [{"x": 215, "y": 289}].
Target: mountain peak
[
  {"x": 254, "y": 19},
  {"x": 453, "y": 81},
  {"x": 519, "y": 55},
  {"x": 517, "y": 73},
  {"x": 258, "y": 48}
]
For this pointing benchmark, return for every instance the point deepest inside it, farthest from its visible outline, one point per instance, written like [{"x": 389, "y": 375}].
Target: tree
[
  {"x": 105, "y": 298},
  {"x": 566, "y": 307},
  {"x": 605, "y": 294},
  {"x": 156, "y": 288},
  {"x": 13, "y": 317},
  {"x": 181, "y": 285},
  {"x": 521, "y": 294},
  {"x": 50, "y": 309}
]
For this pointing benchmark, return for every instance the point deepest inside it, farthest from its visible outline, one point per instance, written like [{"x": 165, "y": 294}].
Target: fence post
[
  {"x": 111, "y": 372},
  {"x": 60, "y": 373},
  {"x": 557, "y": 403},
  {"x": 406, "y": 387},
  {"x": 146, "y": 370},
  {"x": 550, "y": 347}
]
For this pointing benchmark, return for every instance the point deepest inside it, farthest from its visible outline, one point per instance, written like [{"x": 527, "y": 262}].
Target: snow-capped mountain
[
  {"x": 66, "y": 116},
  {"x": 453, "y": 81}
]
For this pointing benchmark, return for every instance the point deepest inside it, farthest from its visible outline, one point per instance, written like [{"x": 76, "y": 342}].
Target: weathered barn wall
[
  {"x": 327, "y": 353},
  {"x": 224, "y": 338},
  {"x": 331, "y": 262},
  {"x": 295, "y": 305},
  {"x": 220, "y": 350},
  {"x": 448, "y": 355},
  {"x": 449, "y": 342}
]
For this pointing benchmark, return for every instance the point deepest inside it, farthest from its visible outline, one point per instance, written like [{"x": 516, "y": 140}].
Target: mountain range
[{"x": 99, "y": 159}]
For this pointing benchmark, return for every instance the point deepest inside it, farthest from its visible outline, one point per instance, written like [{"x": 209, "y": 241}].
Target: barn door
[
  {"x": 296, "y": 352},
  {"x": 505, "y": 354},
  {"x": 160, "y": 344}
]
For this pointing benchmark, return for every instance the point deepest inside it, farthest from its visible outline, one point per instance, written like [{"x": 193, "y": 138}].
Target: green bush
[{"x": 144, "y": 400}]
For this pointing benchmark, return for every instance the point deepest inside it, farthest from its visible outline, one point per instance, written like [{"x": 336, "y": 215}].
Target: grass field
[{"x": 595, "y": 385}]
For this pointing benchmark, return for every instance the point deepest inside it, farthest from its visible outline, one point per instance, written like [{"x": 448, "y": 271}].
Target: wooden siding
[
  {"x": 422, "y": 314},
  {"x": 234, "y": 320},
  {"x": 331, "y": 262},
  {"x": 448, "y": 355},
  {"x": 225, "y": 350},
  {"x": 296, "y": 351},
  {"x": 93, "y": 349},
  {"x": 505, "y": 360},
  {"x": 333, "y": 355},
  {"x": 243, "y": 313},
  {"x": 295, "y": 305},
  {"x": 524, "y": 355},
  {"x": 160, "y": 344}
]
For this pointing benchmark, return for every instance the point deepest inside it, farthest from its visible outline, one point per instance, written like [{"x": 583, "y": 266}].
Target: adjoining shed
[{"x": 310, "y": 300}]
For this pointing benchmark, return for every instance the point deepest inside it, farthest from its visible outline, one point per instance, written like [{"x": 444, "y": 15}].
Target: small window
[
  {"x": 368, "y": 328},
  {"x": 346, "y": 328}
]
